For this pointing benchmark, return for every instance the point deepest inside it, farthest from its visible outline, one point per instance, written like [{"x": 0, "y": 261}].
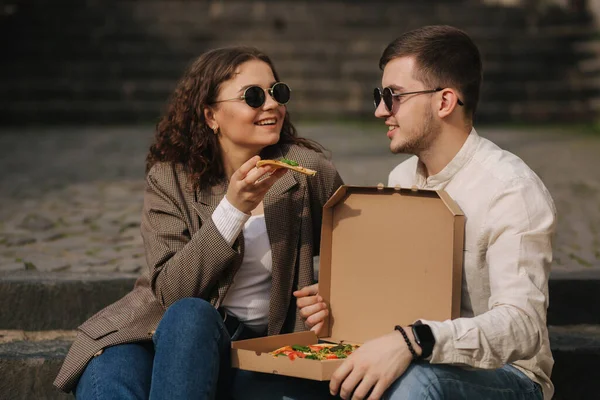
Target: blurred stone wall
[
  {"x": 109, "y": 61},
  {"x": 592, "y": 7}
]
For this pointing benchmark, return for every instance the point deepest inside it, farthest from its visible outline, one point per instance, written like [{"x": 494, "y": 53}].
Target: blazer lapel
[
  {"x": 283, "y": 206},
  {"x": 208, "y": 200},
  {"x": 283, "y": 211}
]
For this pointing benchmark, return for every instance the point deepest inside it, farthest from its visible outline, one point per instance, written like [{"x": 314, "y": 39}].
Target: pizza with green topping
[
  {"x": 289, "y": 164},
  {"x": 324, "y": 351}
]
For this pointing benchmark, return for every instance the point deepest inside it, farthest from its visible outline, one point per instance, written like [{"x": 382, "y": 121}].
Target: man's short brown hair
[{"x": 445, "y": 57}]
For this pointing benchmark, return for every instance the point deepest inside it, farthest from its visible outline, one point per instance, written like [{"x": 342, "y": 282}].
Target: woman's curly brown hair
[{"x": 182, "y": 135}]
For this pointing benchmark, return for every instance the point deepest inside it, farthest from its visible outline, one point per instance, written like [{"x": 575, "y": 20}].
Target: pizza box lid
[{"x": 389, "y": 256}]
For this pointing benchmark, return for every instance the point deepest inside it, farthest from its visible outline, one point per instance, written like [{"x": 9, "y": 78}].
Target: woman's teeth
[{"x": 271, "y": 121}]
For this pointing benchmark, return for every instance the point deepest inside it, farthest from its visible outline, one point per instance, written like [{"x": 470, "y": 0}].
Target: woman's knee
[
  {"x": 189, "y": 316},
  {"x": 86, "y": 387},
  {"x": 191, "y": 309},
  {"x": 120, "y": 369}
]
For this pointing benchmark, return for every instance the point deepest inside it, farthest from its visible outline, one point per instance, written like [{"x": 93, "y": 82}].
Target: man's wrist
[
  {"x": 411, "y": 336},
  {"x": 424, "y": 338},
  {"x": 409, "y": 340}
]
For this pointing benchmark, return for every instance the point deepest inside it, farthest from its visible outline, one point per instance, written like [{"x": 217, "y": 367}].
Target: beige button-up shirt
[{"x": 510, "y": 221}]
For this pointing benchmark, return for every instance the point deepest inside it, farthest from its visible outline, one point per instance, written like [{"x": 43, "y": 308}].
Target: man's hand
[
  {"x": 312, "y": 307},
  {"x": 373, "y": 367}
]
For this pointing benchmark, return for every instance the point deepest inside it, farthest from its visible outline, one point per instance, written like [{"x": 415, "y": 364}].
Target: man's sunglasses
[
  {"x": 388, "y": 96},
  {"x": 255, "y": 95}
]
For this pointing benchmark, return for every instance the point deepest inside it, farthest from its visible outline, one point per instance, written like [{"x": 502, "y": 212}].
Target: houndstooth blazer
[{"x": 188, "y": 257}]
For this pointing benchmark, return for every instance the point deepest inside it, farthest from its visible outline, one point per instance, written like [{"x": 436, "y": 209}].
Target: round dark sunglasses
[
  {"x": 255, "y": 95},
  {"x": 388, "y": 96}
]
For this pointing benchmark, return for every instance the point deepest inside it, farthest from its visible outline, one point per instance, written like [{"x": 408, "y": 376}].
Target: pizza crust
[{"x": 280, "y": 164}]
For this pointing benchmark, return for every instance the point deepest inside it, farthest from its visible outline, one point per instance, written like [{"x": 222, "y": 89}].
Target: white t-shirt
[{"x": 249, "y": 295}]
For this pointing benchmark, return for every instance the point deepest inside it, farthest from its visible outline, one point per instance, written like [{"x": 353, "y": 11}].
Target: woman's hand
[
  {"x": 312, "y": 307},
  {"x": 248, "y": 185}
]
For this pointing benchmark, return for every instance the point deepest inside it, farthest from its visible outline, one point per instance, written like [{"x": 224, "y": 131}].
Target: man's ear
[
  {"x": 209, "y": 117},
  {"x": 448, "y": 103}
]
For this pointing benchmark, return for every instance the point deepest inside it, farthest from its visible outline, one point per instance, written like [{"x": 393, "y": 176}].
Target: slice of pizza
[
  {"x": 322, "y": 351},
  {"x": 289, "y": 164}
]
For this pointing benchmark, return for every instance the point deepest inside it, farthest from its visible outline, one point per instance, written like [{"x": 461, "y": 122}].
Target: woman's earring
[{"x": 216, "y": 130}]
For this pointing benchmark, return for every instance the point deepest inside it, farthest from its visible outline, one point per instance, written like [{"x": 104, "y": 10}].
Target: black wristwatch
[{"x": 424, "y": 338}]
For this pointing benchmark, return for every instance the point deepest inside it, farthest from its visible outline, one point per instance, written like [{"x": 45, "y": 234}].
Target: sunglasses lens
[
  {"x": 254, "y": 96},
  {"x": 376, "y": 97},
  {"x": 281, "y": 93},
  {"x": 388, "y": 99}
]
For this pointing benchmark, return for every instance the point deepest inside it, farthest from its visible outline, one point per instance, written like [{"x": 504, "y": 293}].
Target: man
[{"x": 499, "y": 348}]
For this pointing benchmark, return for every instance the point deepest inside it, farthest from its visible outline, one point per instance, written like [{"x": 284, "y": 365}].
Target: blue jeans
[
  {"x": 422, "y": 381},
  {"x": 188, "y": 358},
  {"x": 435, "y": 381}
]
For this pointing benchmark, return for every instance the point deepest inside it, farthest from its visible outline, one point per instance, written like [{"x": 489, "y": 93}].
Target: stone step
[
  {"x": 571, "y": 111},
  {"x": 576, "y": 352},
  {"x": 110, "y": 26},
  {"x": 133, "y": 83},
  {"x": 27, "y": 116},
  {"x": 325, "y": 59},
  {"x": 79, "y": 31},
  {"x": 28, "y": 367},
  {"x": 142, "y": 49},
  {"x": 305, "y": 86},
  {"x": 135, "y": 44},
  {"x": 46, "y": 301},
  {"x": 107, "y": 45},
  {"x": 81, "y": 112},
  {"x": 241, "y": 13},
  {"x": 34, "y": 301},
  {"x": 78, "y": 39},
  {"x": 574, "y": 295}
]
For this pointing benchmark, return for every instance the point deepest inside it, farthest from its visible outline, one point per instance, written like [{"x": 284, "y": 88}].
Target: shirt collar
[{"x": 461, "y": 158}]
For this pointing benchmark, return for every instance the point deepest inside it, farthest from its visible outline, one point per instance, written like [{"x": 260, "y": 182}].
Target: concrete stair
[
  {"x": 28, "y": 368},
  {"x": 60, "y": 301},
  {"x": 119, "y": 61},
  {"x": 576, "y": 352},
  {"x": 40, "y": 313}
]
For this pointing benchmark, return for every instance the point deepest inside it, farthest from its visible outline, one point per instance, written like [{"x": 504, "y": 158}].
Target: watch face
[{"x": 424, "y": 334}]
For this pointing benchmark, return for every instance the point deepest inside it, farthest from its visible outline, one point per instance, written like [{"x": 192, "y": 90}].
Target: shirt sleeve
[
  {"x": 517, "y": 235},
  {"x": 229, "y": 220}
]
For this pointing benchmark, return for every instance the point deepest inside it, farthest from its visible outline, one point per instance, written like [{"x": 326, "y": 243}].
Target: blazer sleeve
[
  {"x": 321, "y": 187},
  {"x": 180, "y": 265}
]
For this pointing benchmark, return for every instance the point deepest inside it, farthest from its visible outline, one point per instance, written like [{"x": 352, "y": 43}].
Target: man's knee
[{"x": 418, "y": 382}]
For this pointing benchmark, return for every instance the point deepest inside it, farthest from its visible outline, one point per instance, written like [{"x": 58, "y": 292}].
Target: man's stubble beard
[{"x": 419, "y": 139}]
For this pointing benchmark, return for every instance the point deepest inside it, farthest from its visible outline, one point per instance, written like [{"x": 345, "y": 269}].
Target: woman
[{"x": 226, "y": 243}]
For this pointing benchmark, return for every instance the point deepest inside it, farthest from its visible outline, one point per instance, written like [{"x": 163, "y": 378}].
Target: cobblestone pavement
[{"x": 70, "y": 198}]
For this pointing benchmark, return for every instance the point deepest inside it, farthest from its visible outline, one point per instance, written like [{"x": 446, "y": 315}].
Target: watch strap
[{"x": 424, "y": 341}]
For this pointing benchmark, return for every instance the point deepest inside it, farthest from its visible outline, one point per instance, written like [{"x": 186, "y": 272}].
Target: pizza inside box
[{"x": 389, "y": 256}]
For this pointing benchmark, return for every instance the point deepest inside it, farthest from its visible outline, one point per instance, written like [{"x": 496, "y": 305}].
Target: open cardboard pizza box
[{"x": 389, "y": 256}]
